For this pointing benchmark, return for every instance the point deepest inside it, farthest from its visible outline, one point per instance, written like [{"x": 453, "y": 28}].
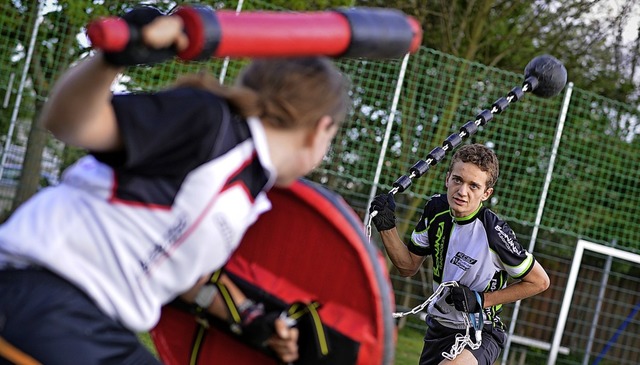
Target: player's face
[
  {"x": 310, "y": 154},
  {"x": 466, "y": 188}
]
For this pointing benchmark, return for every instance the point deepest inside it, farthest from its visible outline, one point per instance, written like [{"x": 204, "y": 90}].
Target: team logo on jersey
[
  {"x": 508, "y": 241},
  {"x": 463, "y": 261},
  {"x": 170, "y": 237},
  {"x": 226, "y": 230},
  {"x": 493, "y": 285},
  {"x": 437, "y": 267}
]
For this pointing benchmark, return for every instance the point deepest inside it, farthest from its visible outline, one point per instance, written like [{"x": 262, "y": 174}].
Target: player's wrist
[{"x": 205, "y": 296}]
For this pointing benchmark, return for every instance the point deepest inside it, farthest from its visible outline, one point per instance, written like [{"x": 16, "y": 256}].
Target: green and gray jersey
[{"x": 479, "y": 251}]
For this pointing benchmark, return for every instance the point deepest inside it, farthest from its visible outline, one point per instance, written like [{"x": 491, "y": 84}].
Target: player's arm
[
  {"x": 384, "y": 219},
  {"x": 279, "y": 336},
  {"x": 515, "y": 260},
  {"x": 406, "y": 262},
  {"x": 217, "y": 307},
  {"x": 520, "y": 265},
  {"x": 78, "y": 110},
  {"x": 535, "y": 282}
]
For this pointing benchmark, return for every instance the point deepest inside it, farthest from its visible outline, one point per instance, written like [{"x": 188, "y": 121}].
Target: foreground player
[
  {"x": 171, "y": 183},
  {"x": 468, "y": 244}
]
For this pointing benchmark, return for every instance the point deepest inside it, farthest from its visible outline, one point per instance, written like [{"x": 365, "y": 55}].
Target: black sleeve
[
  {"x": 420, "y": 244},
  {"x": 166, "y": 132}
]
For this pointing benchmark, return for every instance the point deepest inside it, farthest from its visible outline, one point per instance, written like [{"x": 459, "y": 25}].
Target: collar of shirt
[{"x": 468, "y": 219}]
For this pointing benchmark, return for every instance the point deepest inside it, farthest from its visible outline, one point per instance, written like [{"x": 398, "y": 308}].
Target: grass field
[
  {"x": 409, "y": 346},
  {"x": 407, "y": 350}
]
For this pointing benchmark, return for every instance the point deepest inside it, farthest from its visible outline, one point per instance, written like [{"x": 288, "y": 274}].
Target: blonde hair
[{"x": 283, "y": 92}]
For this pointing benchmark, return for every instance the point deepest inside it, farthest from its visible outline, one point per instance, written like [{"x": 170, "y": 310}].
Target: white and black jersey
[
  {"x": 479, "y": 251},
  {"x": 135, "y": 228}
]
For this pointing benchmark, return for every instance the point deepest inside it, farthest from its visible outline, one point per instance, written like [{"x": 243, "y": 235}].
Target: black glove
[
  {"x": 465, "y": 299},
  {"x": 385, "y": 219},
  {"x": 136, "y": 53},
  {"x": 257, "y": 326}
]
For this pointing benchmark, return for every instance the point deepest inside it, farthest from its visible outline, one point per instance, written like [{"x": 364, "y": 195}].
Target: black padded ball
[{"x": 551, "y": 75}]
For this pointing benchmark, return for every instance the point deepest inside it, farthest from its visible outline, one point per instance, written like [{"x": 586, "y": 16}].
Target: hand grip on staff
[{"x": 374, "y": 33}]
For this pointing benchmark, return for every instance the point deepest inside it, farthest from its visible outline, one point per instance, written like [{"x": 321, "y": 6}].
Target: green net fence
[{"x": 569, "y": 165}]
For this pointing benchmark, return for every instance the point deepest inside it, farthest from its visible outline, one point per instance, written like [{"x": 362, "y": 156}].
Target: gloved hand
[
  {"x": 257, "y": 325},
  {"x": 136, "y": 52},
  {"x": 465, "y": 299},
  {"x": 385, "y": 219}
]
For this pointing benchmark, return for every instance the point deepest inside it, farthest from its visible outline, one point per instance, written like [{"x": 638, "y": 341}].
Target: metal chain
[
  {"x": 470, "y": 322},
  {"x": 429, "y": 300},
  {"x": 465, "y": 340}
]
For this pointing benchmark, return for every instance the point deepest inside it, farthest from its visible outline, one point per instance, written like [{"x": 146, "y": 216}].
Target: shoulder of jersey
[{"x": 438, "y": 201}]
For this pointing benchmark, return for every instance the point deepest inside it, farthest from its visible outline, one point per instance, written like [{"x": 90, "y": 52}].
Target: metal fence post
[
  {"x": 543, "y": 198},
  {"x": 225, "y": 64},
  {"x": 23, "y": 79},
  {"x": 596, "y": 315},
  {"x": 387, "y": 135}
]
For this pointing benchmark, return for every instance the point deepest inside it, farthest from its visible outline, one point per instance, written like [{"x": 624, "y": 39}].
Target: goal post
[{"x": 571, "y": 284}]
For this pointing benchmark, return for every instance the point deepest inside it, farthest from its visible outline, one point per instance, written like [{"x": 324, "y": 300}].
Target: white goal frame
[{"x": 571, "y": 284}]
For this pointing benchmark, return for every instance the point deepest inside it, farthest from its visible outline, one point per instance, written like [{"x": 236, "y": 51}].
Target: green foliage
[
  {"x": 298, "y": 5},
  {"x": 409, "y": 346},
  {"x": 439, "y": 94},
  {"x": 507, "y": 34},
  {"x": 145, "y": 338}
]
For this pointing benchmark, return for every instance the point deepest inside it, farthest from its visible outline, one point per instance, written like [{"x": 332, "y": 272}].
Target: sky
[{"x": 631, "y": 29}]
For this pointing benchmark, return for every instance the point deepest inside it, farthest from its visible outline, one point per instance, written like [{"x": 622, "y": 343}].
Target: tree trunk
[{"x": 30, "y": 178}]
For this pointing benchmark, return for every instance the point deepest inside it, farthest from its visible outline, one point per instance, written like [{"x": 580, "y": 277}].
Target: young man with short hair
[{"x": 469, "y": 244}]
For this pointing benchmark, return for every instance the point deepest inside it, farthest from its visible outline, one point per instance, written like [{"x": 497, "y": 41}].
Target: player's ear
[
  {"x": 487, "y": 194},
  {"x": 326, "y": 124},
  {"x": 324, "y": 129}
]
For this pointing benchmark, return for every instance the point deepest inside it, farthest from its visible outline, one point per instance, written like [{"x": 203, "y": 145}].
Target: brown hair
[
  {"x": 481, "y": 156},
  {"x": 284, "y": 92}
]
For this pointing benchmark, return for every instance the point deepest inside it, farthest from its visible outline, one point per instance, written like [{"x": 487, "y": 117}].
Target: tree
[
  {"x": 58, "y": 32},
  {"x": 299, "y": 5},
  {"x": 584, "y": 34},
  {"x": 507, "y": 34},
  {"x": 60, "y": 43}
]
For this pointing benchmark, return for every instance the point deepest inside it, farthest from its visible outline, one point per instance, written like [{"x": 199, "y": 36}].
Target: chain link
[
  {"x": 369, "y": 226},
  {"x": 429, "y": 300},
  {"x": 461, "y": 340}
]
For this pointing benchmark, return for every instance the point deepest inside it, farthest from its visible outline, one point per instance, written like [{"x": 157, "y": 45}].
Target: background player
[
  {"x": 469, "y": 244},
  {"x": 172, "y": 181}
]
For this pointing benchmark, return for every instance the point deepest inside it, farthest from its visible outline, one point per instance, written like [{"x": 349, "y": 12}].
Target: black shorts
[
  {"x": 439, "y": 339},
  {"x": 52, "y": 321}
]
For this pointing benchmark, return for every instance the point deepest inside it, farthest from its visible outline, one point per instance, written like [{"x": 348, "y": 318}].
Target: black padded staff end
[
  {"x": 381, "y": 33},
  {"x": 550, "y": 74},
  {"x": 203, "y": 30}
]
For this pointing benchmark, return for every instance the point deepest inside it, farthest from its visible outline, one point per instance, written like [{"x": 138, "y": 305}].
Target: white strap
[{"x": 205, "y": 295}]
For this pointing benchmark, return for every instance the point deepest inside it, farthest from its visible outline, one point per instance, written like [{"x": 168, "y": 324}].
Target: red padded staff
[
  {"x": 355, "y": 32},
  {"x": 286, "y": 34}
]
